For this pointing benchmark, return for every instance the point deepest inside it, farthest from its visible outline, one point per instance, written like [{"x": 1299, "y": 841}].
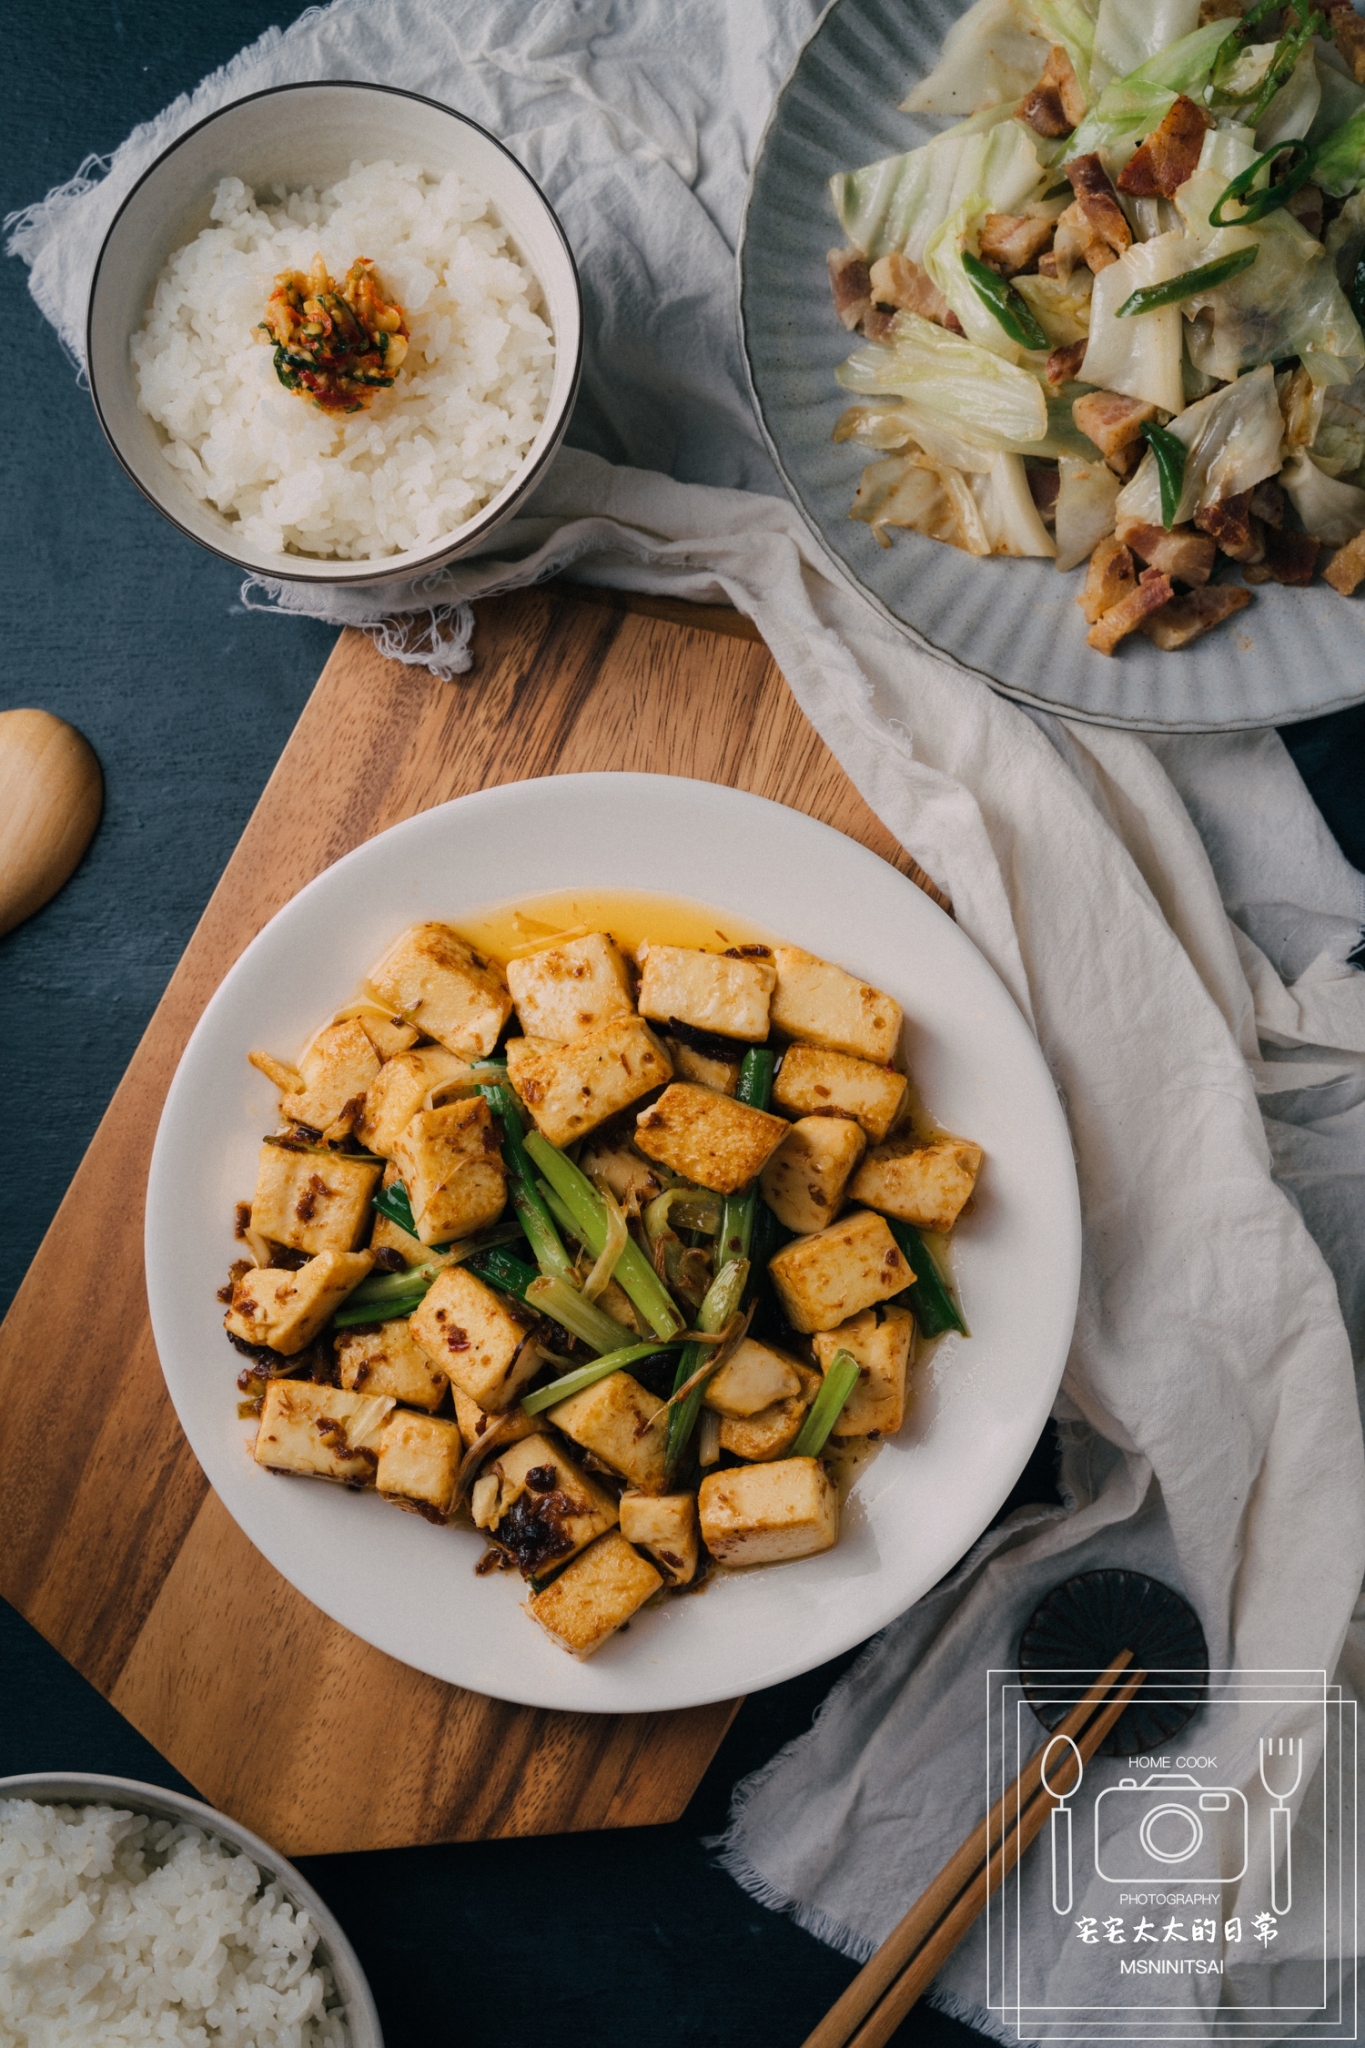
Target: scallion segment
[
  {"x": 755, "y": 1087},
  {"x": 1150, "y": 298},
  {"x": 353, "y": 1312},
  {"x": 586, "y": 1376},
  {"x": 827, "y": 1406},
  {"x": 503, "y": 1270},
  {"x": 532, "y": 1213},
  {"x": 1259, "y": 204},
  {"x": 564, "y": 1304},
  {"x": 721, "y": 1301},
  {"x": 1008, "y": 306},
  {"x": 583, "y": 1203},
  {"x": 928, "y": 1295},
  {"x": 393, "y": 1202},
  {"x": 1169, "y": 452}
]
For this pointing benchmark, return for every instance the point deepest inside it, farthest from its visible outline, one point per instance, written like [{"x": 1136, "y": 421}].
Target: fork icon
[{"x": 1290, "y": 1748}]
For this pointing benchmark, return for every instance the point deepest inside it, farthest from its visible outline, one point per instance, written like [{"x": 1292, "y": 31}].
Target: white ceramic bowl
[
  {"x": 915, "y": 1508},
  {"x": 310, "y": 135},
  {"x": 85, "y": 1788}
]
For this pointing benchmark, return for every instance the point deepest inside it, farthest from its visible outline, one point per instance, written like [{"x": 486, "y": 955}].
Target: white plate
[{"x": 915, "y": 1508}]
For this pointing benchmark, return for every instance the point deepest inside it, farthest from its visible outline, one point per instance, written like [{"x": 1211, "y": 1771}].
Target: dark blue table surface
[{"x": 113, "y": 621}]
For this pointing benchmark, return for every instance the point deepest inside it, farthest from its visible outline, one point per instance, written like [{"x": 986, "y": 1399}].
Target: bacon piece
[
  {"x": 1010, "y": 241},
  {"x": 1110, "y": 576},
  {"x": 1348, "y": 33},
  {"x": 1347, "y": 566},
  {"x": 1153, "y": 591},
  {"x": 1177, "y": 551},
  {"x": 1056, "y": 105},
  {"x": 1267, "y": 501},
  {"x": 1098, "y": 201},
  {"x": 1185, "y": 618},
  {"x": 1232, "y": 523},
  {"x": 1170, "y": 154},
  {"x": 1111, "y": 420},
  {"x": 1289, "y": 558},
  {"x": 1064, "y": 364},
  {"x": 1075, "y": 241},
  {"x": 851, "y": 283},
  {"x": 901, "y": 284},
  {"x": 1043, "y": 486}
]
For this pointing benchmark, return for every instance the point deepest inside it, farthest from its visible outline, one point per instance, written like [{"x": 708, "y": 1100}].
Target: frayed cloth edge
[
  {"x": 833, "y": 1933},
  {"x": 971, "y": 2015}
]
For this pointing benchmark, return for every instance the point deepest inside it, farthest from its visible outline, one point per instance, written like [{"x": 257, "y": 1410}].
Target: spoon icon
[{"x": 1064, "y": 1769}]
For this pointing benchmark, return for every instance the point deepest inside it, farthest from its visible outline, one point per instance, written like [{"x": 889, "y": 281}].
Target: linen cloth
[{"x": 1172, "y": 917}]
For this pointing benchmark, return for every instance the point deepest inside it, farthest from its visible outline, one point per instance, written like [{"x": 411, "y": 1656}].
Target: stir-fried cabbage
[
  {"x": 898, "y": 203},
  {"x": 1008, "y": 512},
  {"x": 1334, "y": 511},
  {"x": 992, "y": 54},
  {"x": 1072, "y": 24},
  {"x": 1339, "y": 446},
  {"x": 1339, "y": 165},
  {"x": 1233, "y": 438},
  {"x": 1061, "y": 306},
  {"x": 1129, "y": 32},
  {"x": 1139, "y": 355},
  {"x": 1133, "y": 106},
  {"x": 1086, "y": 496},
  {"x": 972, "y": 391},
  {"x": 899, "y": 424},
  {"x": 943, "y": 261},
  {"x": 1288, "y": 303},
  {"x": 1340, "y": 98},
  {"x": 1294, "y": 108}
]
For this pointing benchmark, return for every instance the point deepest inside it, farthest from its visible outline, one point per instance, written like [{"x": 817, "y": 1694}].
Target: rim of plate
[{"x": 724, "y": 823}]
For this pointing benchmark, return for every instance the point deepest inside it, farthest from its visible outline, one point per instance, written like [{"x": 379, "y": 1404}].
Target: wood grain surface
[{"x": 114, "y": 1547}]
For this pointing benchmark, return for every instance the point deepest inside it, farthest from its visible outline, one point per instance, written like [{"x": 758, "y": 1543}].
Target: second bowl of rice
[{"x": 214, "y": 427}]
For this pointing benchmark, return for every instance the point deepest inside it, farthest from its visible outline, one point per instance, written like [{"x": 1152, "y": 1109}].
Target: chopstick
[{"x": 913, "y": 1953}]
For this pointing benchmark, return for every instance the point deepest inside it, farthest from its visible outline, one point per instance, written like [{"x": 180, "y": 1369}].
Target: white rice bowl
[
  {"x": 432, "y": 450},
  {"x": 119, "y": 1929}
]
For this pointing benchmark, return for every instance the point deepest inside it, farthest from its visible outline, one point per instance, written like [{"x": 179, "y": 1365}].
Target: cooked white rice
[
  {"x": 430, "y": 451},
  {"x": 119, "y": 1929}
]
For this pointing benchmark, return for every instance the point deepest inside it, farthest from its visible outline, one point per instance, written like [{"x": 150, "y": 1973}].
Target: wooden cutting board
[{"x": 114, "y": 1546}]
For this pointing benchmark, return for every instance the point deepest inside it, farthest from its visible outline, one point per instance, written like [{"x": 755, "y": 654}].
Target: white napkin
[{"x": 1173, "y": 918}]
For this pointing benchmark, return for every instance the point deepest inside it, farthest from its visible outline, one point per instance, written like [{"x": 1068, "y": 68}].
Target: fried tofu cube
[
  {"x": 451, "y": 1163},
  {"x": 881, "y": 1345},
  {"x": 810, "y": 1080},
  {"x": 766, "y": 1514},
  {"x": 824, "y": 1006},
  {"x": 707, "y": 1138},
  {"x": 709, "y": 991},
  {"x": 563, "y": 992},
  {"x": 419, "y": 1462},
  {"x": 571, "y": 1089},
  {"x": 323, "y": 1431},
  {"x": 769, "y": 1434},
  {"x": 476, "y": 1339},
  {"x": 927, "y": 1185},
  {"x": 388, "y": 1035},
  {"x": 390, "y": 1361},
  {"x": 703, "y": 1067},
  {"x": 435, "y": 981},
  {"x": 595, "y": 1595},
  {"x": 541, "y": 1506},
  {"x": 829, "y": 1276},
  {"x": 752, "y": 1378},
  {"x": 312, "y": 1201},
  {"x": 400, "y": 1089},
  {"x": 615, "y": 1420},
  {"x": 475, "y": 1421},
  {"x": 664, "y": 1524},
  {"x": 336, "y": 1070},
  {"x": 804, "y": 1181},
  {"x": 286, "y": 1310}
]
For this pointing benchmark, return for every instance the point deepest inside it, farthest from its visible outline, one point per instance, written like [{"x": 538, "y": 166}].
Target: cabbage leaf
[
  {"x": 1334, "y": 511},
  {"x": 1008, "y": 513},
  {"x": 1129, "y": 32},
  {"x": 976, "y": 393},
  {"x": 1141, "y": 354},
  {"x": 1340, "y": 162},
  {"x": 1133, "y": 106},
  {"x": 1294, "y": 108},
  {"x": 1233, "y": 438},
  {"x": 1086, "y": 496},
  {"x": 1061, "y": 306},
  {"x": 992, "y": 54},
  {"x": 1289, "y": 303},
  {"x": 898, "y": 203},
  {"x": 933, "y": 498},
  {"x": 1341, "y": 97}
]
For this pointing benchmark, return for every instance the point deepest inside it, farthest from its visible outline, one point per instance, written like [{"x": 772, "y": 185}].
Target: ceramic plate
[
  {"x": 1291, "y": 654},
  {"x": 978, "y": 1407}
]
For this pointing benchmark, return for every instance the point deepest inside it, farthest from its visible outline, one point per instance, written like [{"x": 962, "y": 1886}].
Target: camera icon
[{"x": 1170, "y": 1827}]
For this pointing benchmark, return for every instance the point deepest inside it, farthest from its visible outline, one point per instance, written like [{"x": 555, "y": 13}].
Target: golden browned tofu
[
  {"x": 765, "y": 1514},
  {"x": 435, "y": 981},
  {"x": 400, "y": 1090},
  {"x": 475, "y": 1421},
  {"x": 824, "y": 1006},
  {"x": 702, "y": 1067},
  {"x": 336, "y": 1070},
  {"x": 323, "y": 1431},
  {"x": 752, "y": 1378},
  {"x": 810, "y": 1079},
  {"x": 614, "y": 1420},
  {"x": 595, "y": 1595},
  {"x": 880, "y": 1341},
  {"x": 927, "y": 1185},
  {"x": 769, "y": 1434},
  {"x": 390, "y": 1361},
  {"x": 419, "y": 1461},
  {"x": 571, "y": 1089},
  {"x": 451, "y": 1164},
  {"x": 707, "y": 1138},
  {"x": 829, "y": 1276},
  {"x": 312, "y": 1201},
  {"x": 709, "y": 991},
  {"x": 664, "y": 1524},
  {"x": 287, "y": 1310},
  {"x": 388, "y": 1035},
  {"x": 565, "y": 991},
  {"x": 476, "y": 1339},
  {"x": 541, "y": 1507},
  {"x": 804, "y": 1181}
]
